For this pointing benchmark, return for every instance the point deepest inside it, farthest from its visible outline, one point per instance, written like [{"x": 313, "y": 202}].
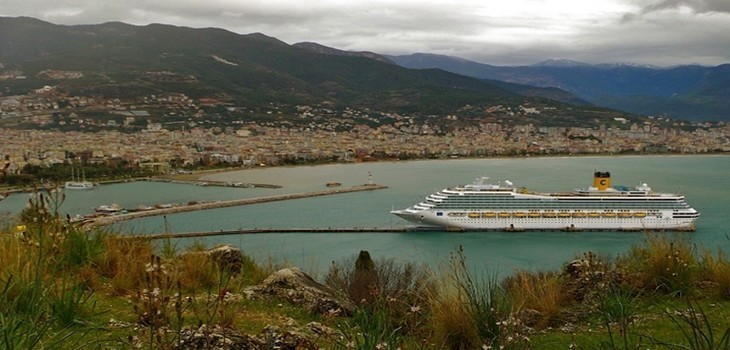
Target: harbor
[{"x": 194, "y": 206}]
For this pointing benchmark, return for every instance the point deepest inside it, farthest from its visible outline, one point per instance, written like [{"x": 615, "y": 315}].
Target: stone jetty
[{"x": 108, "y": 220}]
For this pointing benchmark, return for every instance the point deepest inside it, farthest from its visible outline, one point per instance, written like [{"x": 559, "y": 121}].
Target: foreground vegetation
[{"x": 62, "y": 287}]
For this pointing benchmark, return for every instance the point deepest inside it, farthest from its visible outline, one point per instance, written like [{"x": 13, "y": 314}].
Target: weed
[
  {"x": 368, "y": 330},
  {"x": 697, "y": 330},
  {"x": 617, "y": 310}
]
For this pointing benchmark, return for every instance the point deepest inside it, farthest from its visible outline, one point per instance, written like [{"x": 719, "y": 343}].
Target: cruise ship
[{"x": 486, "y": 205}]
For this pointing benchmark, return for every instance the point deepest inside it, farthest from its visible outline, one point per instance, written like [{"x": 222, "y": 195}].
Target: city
[{"x": 129, "y": 134}]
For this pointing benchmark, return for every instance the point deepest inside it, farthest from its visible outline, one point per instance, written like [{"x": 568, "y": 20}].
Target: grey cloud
[
  {"x": 699, "y": 6},
  {"x": 654, "y": 33}
]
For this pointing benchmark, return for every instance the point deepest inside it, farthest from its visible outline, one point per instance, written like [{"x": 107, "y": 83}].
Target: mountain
[
  {"x": 332, "y": 51},
  {"x": 253, "y": 72},
  {"x": 118, "y": 60},
  {"x": 689, "y": 92}
]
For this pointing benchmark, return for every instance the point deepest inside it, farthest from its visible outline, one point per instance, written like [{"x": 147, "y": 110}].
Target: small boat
[
  {"x": 108, "y": 209},
  {"x": 489, "y": 214},
  {"x": 333, "y": 184},
  {"x": 474, "y": 215}
]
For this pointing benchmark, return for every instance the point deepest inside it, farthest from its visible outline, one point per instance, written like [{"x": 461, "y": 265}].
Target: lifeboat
[
  {"x": 549, "y": 214},
  {"x": 474, "y": 215},
  {"x": 594, "y": 214},
  {"x": 504, "y": 214},
  {"x": 640, "y": 214},
  {"x": 564, "y": 215},
  {"x": 534, "y": 215},
  {"x": 608, "y": 215},
  {"x": 579, "y": 214},
  {"x": 488, "y": 214},
  {"x": 625, "y": 215},
  {"x": 520, "y": 214}
]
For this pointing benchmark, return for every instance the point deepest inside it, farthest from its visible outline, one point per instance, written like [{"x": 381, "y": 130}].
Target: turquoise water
[{"x": 702, "y": 179}]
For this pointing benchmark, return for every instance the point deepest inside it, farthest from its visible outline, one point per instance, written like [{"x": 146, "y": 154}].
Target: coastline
[{"x": 204, "y": 175}]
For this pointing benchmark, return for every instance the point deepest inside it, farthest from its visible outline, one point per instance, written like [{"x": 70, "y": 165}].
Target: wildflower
[{"x": 415, "y": 308}]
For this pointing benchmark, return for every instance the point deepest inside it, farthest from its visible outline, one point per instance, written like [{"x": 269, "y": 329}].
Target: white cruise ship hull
[{"x": 512, "y": 223}]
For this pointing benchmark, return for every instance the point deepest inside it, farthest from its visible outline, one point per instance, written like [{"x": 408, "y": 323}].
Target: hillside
[
  {"x": 688, "y": 92},
  {"x": 117, "y": 60}
]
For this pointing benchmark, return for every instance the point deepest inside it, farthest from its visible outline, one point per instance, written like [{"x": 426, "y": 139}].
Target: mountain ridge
[{"x": 689, "y": 91}]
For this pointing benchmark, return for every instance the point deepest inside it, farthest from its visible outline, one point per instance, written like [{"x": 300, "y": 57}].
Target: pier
[
  {"x": 275, "y": 230},
  {"x": 108, "y": 220}
]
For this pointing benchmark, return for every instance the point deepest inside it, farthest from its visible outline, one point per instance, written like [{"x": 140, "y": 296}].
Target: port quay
[{"x": 108, "y": 220}]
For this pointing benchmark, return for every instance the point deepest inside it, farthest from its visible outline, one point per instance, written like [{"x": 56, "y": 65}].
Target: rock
[
  {"x": 296, "y": 287},
  {"x": 217, "y": 338},
  {"x": 287, "y": 340},
  {"x": 530, "y": 317},
  {"x": 228, "y": 257}
]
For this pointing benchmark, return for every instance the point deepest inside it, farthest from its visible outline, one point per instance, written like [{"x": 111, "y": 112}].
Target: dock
[{"x": 108, "y": 220}]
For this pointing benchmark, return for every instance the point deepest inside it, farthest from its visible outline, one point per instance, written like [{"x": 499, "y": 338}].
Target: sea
[{"x": 704, "y": 180}]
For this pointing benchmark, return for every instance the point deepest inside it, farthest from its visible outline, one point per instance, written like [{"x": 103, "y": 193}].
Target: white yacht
[{"x": 78, "y": 183}]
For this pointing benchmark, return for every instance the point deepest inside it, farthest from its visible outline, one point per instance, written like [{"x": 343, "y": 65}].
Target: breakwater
[
  {"x": 108, "y": 220},
  {"x": 278, "y": 230}
]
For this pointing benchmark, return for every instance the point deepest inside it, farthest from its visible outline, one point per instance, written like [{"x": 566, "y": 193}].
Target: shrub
[{"x": 400, "y": 290}]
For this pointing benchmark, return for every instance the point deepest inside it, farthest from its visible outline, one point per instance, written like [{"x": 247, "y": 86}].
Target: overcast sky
[{"x": 500, "y": 32}]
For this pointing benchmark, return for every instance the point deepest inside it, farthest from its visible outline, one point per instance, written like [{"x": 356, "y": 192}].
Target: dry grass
[
  {"x": 123, "y": 263},
  {"x": 716, "y": 270},
  {"x": 542, "y": 292},
  {"x": 451, "y": 321},
  {"x": 665, "y": 264}
]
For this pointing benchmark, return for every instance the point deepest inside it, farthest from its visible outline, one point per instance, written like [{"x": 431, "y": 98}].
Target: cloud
[{"x": 662, "y": 32}]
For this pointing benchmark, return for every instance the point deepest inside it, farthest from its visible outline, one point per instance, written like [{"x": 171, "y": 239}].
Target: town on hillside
[{"x": 172, "y": 131}]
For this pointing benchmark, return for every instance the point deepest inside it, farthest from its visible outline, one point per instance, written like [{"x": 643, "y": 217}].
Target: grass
[{"x": 63, "y": 287}]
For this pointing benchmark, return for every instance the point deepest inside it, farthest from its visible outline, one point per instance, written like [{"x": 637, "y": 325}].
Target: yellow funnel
[{"x": 601, "y": 180}]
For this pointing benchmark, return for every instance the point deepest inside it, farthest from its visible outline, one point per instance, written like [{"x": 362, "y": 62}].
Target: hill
[
  {"x": 690, "y": 92},
  {"x": 117, "y": 60}
]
